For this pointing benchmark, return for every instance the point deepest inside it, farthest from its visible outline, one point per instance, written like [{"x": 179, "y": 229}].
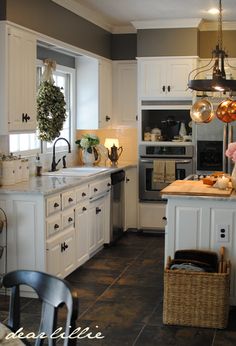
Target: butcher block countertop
[{"x": 194, "y": 188}]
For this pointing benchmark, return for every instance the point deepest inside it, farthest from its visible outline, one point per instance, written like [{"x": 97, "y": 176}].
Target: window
[{"x": 64, "y": 77}]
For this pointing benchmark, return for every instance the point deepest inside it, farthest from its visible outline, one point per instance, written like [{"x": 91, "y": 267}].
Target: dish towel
[
  {"x": 158, "y": 173},
  {"x": 170, "y": 171}
]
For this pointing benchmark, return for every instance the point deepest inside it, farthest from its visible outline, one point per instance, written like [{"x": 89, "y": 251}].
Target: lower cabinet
[
  {"x": 96, "y": 224},
  {"x": 61, "y": 253},
  {"x": 81, "y": 234}
]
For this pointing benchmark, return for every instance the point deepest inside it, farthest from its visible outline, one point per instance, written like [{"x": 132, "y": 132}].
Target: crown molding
[
  {"x": 167, "y": 23},
  {"x": 213, "y": 26}
]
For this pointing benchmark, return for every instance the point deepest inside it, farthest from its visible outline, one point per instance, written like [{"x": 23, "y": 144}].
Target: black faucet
[{"x": 54, "y": 163}]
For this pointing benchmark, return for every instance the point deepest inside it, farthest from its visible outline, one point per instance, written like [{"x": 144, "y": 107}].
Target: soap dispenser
[{"x": 38, "y": 164}]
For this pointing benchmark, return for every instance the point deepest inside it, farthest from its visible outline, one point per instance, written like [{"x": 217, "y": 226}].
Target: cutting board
[{"x": 194, "y": 188}]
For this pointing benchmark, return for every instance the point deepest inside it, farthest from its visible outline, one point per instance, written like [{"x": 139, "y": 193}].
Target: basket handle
[{"x": 168, "y": 262}]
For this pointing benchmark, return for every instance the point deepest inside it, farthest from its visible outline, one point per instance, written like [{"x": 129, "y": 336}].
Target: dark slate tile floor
[{"x": 120, "y": 292}]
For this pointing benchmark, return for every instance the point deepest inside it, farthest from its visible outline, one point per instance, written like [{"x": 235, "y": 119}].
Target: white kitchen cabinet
[
  {"x": 198, "y": 223},
  {"x": 131, "y": 198},
  {"x": 18, "y": 80},
  {"x": 164, "y": 77},
  {"x": 151, "y": 215},
  {"x": 96, "y": 224},
  {"x": 105, "y": 93},
  {"x": 94, "y": 97},
  {"x": 81, "y": 233},
  {"x": 61, "y": 253},
  {"x": 124, "y": 99}
]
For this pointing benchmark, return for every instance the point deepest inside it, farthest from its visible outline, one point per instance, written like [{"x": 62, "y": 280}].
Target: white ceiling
[{"x": 121, "y": 13}]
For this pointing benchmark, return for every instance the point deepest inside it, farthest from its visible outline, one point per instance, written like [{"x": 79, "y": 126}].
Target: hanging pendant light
[{"x": 218, "y": 83}]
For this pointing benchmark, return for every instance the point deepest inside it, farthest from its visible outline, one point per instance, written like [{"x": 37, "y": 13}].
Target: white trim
[
  {"x": 167, "y": 23},
  {"x": 213, "y": 26},
  {"x": 167, "y": 57}
]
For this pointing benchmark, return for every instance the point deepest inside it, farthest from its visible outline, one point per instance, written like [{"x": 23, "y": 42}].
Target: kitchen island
[{"x": 202, "y": 222}]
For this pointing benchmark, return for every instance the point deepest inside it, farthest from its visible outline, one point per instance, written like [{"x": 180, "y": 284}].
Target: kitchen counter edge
[{"x": 47, "y": 185}]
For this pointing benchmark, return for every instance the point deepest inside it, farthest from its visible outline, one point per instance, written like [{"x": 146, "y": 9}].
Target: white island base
[{"x": 206, "y": 223}]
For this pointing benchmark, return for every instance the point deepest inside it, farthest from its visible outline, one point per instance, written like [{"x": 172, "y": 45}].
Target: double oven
[{"x": 182, "y": 155}]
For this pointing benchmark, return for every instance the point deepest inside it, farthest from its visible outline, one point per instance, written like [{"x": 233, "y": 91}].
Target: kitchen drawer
[
  {"x": 53, "y": 225},
  {"x": 82, "y": 193},
  {"x": 99, "y": 187},
  {"x": 68, "y": 199},
  {"x": 53, "y": 204},
  {"x": 68, "y": 218}
]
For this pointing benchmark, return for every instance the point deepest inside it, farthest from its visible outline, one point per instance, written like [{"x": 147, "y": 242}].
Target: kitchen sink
[{"x": 77, "y": 171}]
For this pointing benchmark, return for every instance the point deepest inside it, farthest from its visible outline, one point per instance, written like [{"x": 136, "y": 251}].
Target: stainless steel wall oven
[{"x": 181, "y": 155}]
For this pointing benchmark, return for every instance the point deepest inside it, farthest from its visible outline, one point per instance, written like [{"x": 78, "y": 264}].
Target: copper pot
[
  {"x": 222, "y": 111},
  {"x": 232, "y": 110},
  {"x": 202, "y": 111}
]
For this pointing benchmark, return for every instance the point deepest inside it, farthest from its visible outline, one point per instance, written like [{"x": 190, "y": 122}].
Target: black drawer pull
[
  {"x": 66, "y": 246},
  {"x": 56, "y": 205},
  {"x": 164, "y": 218},
  {"x": 127, "y": 180},
  {"x": 98, "y": 210},
  {"x": 56, "y": 226},
  {"x": 70, "y": 200},
  {"x": 107, "y": 118},
  {"x": 168, "y": 88},
  {"x": 84, "y": 208},
  {"x": 83, "y": 194},
  {"x": 95, "y": 189},
  {"x": 108, "y": 184},
  {"x": 163, "y": 88},
  {"x": 25, "y": 117},
  {"x": 70, "y": 219}
]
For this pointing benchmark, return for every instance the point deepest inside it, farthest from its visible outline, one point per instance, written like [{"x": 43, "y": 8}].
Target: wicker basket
[{"x": 197, "y": 299}]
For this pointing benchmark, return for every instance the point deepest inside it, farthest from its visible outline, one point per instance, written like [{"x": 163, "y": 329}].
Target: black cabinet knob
[
  {"x": 56, "y": 226},
  {"x": 127, "y": 180},
  {"x": 56, "y": 205},
  {"x": 83, "y": 194},
  {"x": 108, "y": 184},
  {"x": 164, "y": 218},
  {"x": 70, "y": 219},
  {"x": 84, "y": 208},
  {"x": 95, "y": 189},
  {"x": 98, "y": 210},
  {"x": 70, "y": 200}
]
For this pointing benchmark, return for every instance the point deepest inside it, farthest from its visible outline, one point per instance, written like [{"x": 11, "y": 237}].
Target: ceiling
[{"x": 121, "y": 13}]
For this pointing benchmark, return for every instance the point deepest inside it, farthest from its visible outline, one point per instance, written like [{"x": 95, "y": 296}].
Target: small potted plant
[{"x": 88, "y": 143}]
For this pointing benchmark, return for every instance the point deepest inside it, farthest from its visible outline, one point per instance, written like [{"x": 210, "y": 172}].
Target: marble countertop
[{"x": 48, "y": 184}]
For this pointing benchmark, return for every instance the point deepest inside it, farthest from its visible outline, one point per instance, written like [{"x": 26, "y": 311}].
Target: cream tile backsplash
[{"x": 127, "y": 139}]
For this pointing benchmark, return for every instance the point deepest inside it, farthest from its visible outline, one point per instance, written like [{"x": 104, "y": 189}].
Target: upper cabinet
[
  {"x": 105, "y": 93},
  {"x": 94, "y": 93},
  {"x": 18, "y": 80},
  {"x": 124, "y": 93},
  {"x": 164, "y": 77}
]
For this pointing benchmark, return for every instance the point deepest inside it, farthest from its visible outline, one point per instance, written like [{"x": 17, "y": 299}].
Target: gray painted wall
[
  {"x": 167, "y": 42},
  {"x": 61, "y": 59},
  {"x": 53, "y": 20},
  {"x": 208, "y": 40},
  {"x": 124, "y": 47}
]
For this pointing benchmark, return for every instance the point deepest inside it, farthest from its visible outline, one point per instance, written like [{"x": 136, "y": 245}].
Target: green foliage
[
  {"x": 51, "y": 112},
  {"x": 88, "y": 142}
]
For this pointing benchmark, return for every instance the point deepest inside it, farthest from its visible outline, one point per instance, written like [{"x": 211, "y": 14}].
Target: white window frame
[{"x": 43, "y": 145}]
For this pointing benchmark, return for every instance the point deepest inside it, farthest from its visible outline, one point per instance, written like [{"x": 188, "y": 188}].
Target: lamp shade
[{"x": 109, "y": 142}]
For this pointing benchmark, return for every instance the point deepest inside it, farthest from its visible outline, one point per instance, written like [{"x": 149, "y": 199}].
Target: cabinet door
[
  {"x": 100, "y": 222},
  {"x": 61, "y": 253},
  {"x": 81, "y": 234},
  {"x": 96, "y": 224},
  {"x": 22, "y": 80},
  {"x": 131, "y": 198},
  {"x": 177, "y": 77},
  {"x": 152, "y": 78},
  {"x": 124, "y": 89},
  {"x": 105, "y": 93},
  {"x": 92, "y": 241}
]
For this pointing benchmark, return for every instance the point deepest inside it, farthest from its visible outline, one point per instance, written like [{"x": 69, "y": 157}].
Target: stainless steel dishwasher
[{"x": 117, "y": 205}]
